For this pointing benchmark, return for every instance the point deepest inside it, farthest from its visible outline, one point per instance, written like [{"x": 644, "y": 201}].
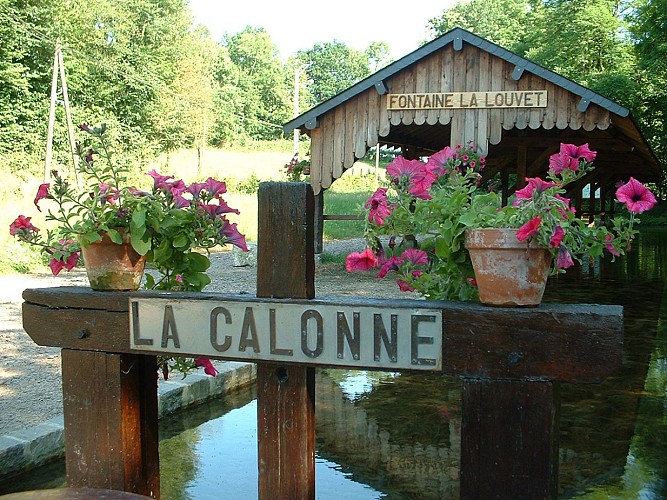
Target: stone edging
[{"x": 29, "y": 448}]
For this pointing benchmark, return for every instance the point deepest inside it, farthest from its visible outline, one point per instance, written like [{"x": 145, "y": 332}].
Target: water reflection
[{"x": 390, "y": 436}]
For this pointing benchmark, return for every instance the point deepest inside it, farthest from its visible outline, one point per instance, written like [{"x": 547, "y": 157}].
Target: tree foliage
[
  {"x": 142, "y": 67},
  {"x": 332, "y": 67},
  {"x": 616, "y": 47}
]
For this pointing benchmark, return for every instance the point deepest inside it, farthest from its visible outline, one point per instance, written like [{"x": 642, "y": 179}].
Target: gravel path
[{"x": 30, "y": 384}]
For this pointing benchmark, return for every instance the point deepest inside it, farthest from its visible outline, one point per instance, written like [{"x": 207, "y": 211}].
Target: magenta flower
[
  {"x": 108, "y": 194},
  {"x": 195, "y": 189},
  {"x": 205, "y": 363},
  {"x": 390, "y": 264},
  {"x": 564, "y": 259},
  {"x": 556, "y": 237},
  {"x": 378, "y": 208},
  {"x": 413, "y": 173},
  {"x": 23, "y": 225},
  {"x": 137, "y": 192},
  {"x": 215, "y": 188},
  {"x": 360, "y": 261},
  {"x": 69, "y": 263},
  {"x": 636, "y": 196},
  {"x": 421, "y": 182},
  {"x": 533, "y": 184},
  {"x": 233, "y": 236},
  {"x": 437, "y": 161},
  {"x": 181, "y": 202},
  {"x": 609, "y": 245},
  {"x": 402, "y": 168},
  {"x": 404, "y": 286},
  {"x": 529, "y": 229},
  {"x": 213, "y": 210},
  {"x": 42, "y": 192},
  {"x": 159, "y": 181},
  {"x": 569, "y": 157},
  {"x": 577, "y": 153},
  {"x": 415, "y": 256},
  {"x": 89, "y": 157}
]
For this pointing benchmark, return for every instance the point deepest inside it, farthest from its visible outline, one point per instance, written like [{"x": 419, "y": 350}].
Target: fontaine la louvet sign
[
  {"x": 395, "y": 335},
  {"x": 479, "y": 100}
]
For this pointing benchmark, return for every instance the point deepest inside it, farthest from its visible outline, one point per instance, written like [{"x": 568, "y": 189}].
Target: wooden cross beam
[{"x": 510, "y": 360}]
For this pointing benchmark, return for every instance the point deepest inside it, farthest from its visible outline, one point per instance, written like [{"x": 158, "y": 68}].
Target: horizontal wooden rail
[
  {"x": 561, "y": 342},
  {"x": 342, "y": 217}
]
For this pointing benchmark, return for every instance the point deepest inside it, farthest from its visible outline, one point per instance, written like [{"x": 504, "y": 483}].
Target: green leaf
[
  {"x": 115, "y": 236},
  {"x": 197, "y": 262},
  {"x": 139, "y": 218},
  {"x": 198, "y": 281},
  {"x": 141, "y": 242}
]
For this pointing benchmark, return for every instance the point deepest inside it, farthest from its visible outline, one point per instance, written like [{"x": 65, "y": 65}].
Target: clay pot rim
[{"x": 496, "y": 237}]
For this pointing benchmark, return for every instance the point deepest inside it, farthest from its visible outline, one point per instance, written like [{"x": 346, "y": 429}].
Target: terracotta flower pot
[
  {"x": 508, "y": 272},
  {"x": 113, "y": 267}
]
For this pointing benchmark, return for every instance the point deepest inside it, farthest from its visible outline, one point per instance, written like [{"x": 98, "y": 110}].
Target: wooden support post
[
  {"x": 319, "y": 222},
  {"x": 286, "y": 394},
  {"x": 509, "y": 439},
  {"x": 110, "y": 412}
]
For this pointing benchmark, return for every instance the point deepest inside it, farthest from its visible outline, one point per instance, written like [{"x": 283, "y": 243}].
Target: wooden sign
[
  {"x": 288, "y": 331},
  {"x": 478, "y": 100}
]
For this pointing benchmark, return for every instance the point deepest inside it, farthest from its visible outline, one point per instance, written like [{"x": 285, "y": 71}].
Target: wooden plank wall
[{"x": 345, "y": 133}]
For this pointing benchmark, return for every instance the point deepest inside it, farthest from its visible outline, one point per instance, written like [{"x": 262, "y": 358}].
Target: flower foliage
[
  {"x": 297, "y": 170},
  {"x": 168, "y": 223},
  {"x": 427, "y": 206}
]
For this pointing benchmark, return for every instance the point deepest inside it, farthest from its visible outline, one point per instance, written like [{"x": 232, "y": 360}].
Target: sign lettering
[
  {"x": 398, "y": 336},
  {"x": 474, "y": 100}
]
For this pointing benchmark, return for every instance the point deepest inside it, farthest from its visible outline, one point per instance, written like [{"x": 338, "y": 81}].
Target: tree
[
  {"x": 27, "y": 43},
  {"x": 647, "y": 26},
  {"x": 258, "y": 83},
  {"x": 503, "y": 22},
  {"x": 378, "y": 55},
  {"x": 331, "y": 68}
]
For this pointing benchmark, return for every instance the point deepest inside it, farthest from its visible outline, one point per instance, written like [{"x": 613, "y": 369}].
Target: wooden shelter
[{"x": 463, "y": 89}]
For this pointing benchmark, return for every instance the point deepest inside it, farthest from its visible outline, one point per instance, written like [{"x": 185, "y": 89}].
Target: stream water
[{"x": 384, "y": 435}]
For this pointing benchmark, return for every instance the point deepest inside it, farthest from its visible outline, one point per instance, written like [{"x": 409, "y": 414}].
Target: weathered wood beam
[{"x": 571, "y": 343}]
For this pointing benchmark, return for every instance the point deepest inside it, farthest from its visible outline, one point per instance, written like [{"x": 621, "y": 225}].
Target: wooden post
[
  {"x": 509, "y": 439},
  {"x": 68, "y": 115},
  {"x": 52, "y": 116},
  {"x": 286, "y": 393},
  {"x": 110, "y": 412}
]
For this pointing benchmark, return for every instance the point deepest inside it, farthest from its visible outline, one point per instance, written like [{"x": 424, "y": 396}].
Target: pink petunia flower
[
  {"x": 415, "y": 256},
  {"x": 378, "y": 209},
  {"x": 215, "y": 188},
  {"x": 404, "y": 286},
  {"x": 233, "y": 236},
  {"x": 205, "y": 363},
  {"x": 533, "y": 184},
  {"x": 390, "y": 264},
  {"x": 609, "y": 245},
  {"x": 360, "y": 261},
  {"x": 58, "y": 265},
  {"x": 437, "y": 161},
  {"x": 414, "y": 174},
  {"x": 564, "y": 259},
  {"x": 159, "y": 181},
  {"x": 42, "y": 192},
  {"x": 636, "y": 196},
  {"x": 529, "y": 229},
  {"x": 213, "y": 210},
  {"x": 556, "y": 237},
  {"x": 23, "y": 225}
]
